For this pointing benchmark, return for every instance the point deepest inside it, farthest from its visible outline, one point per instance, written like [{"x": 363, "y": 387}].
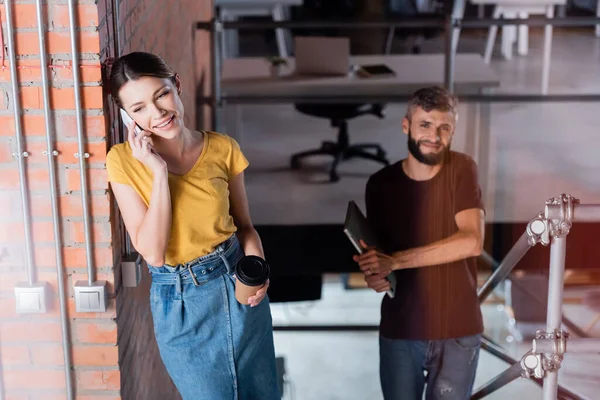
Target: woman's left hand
[{"x": 259, "y": 296}]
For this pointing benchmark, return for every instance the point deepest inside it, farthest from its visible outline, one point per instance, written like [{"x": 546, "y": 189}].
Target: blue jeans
[
  {"x": 213, "y": 347},
  {"x": 450, "y": 366}
]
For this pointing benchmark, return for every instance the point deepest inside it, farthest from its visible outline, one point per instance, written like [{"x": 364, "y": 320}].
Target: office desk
[
  {"x": 250, "y": 77},
  {"x": 231, "y": 10}
]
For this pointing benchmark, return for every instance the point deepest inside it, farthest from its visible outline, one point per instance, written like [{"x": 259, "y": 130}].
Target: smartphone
[
  {"x": 376, "y": 70},
  {"x": 127, "y": 120}
]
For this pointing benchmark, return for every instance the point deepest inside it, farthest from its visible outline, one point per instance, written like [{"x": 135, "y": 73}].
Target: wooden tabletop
[{"x": 250, "y": 77}]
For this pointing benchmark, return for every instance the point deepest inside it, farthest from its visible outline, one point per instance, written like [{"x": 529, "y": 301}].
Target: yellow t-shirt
[{"x": 199, "y": 199}]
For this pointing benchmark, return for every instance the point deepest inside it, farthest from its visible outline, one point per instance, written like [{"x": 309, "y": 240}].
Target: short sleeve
[
  {"x": 114, "y": 167},
  {"x": 468, "y": 191},
  {"x": 237, "y": 162}
]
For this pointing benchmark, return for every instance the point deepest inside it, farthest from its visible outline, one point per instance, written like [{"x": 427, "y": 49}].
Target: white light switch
[
  {"x": 90, "y": 298},
  {"x": 31, "y": 298}
]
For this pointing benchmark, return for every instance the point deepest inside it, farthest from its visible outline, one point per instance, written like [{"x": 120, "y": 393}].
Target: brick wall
[
  {"x": 31, "y": 345},
  {"x": 163, "y": 27}
]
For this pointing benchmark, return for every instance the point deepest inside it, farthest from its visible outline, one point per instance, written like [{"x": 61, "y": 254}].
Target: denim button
[
  {"x": 203, "y": 272},
  {"x": 211, "y": 269}
]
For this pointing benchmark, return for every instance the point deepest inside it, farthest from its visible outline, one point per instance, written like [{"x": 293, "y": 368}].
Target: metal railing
[{"x": 450, "y": 26}]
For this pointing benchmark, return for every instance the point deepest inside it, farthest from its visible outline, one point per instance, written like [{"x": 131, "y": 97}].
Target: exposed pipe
[
  {"x": 449, "y": 56},
  {"x": 81, "y": 154},
  {"x": 51, "y": 153},
  {"x": 19, "y": 154},
  {"x": 116, "y": 16},
  {"x": 116, "y": 19}
]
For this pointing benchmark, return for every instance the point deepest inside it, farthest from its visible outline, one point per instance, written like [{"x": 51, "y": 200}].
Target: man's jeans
[{"x": 447, "y": 367}]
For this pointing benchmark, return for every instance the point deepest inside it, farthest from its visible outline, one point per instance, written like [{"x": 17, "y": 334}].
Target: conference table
[{"x": 250, "y": 81}]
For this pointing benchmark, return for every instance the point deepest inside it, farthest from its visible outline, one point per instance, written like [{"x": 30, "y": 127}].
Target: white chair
[{"x": 518, "y": 9}]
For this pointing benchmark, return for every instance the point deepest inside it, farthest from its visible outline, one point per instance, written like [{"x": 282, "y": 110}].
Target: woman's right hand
[{"x": 142, "y": 148}]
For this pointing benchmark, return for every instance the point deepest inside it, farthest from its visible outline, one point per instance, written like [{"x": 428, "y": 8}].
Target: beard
[{"x": 430, "y": 159}]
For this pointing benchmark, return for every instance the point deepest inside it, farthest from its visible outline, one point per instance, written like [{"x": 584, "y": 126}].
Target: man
[{"x": 428, "y": 214}]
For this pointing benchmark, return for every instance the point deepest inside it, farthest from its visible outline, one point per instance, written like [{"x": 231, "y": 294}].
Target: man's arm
[{"x": 467, "y": 242}]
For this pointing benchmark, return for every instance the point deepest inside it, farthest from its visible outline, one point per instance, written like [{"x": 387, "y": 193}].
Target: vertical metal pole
[
  {"x": 50, "y": 153},
  {"x": 548, "y": 29},
  {"x": 555, "y": 299},
  {"x": 116, "y": 20},
  {"x": 81, "y": 154},
  {"x": 449, "y": 56},
  {"x": 19, "y": 154},
  {"x": 215, "y": 36}
]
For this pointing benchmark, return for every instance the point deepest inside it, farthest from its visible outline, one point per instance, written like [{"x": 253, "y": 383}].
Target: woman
[{"x": 182, "y": 198}]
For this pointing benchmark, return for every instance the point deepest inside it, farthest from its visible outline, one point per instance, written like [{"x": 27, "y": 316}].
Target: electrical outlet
[
  {"x": 91, "y": 298},
  {"x": 31, "y": 299},
  {"x": 131, "y": 270}
]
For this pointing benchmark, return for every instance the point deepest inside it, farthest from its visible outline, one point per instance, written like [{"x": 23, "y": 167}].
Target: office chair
[{"x": 341, "y": 150}]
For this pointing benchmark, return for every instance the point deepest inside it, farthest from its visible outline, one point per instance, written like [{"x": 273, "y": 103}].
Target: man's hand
[
  {"x": 374, "y": 262},
  {"x": 378, "y": 283}
]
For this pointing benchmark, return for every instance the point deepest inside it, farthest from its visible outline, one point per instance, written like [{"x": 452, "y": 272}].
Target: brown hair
[
  {"x": 135, "y": 65},
  {"x": 432, "y": 98}
]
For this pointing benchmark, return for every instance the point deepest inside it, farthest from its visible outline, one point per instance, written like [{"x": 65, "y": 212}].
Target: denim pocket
[{"x": 468, "y": 343}]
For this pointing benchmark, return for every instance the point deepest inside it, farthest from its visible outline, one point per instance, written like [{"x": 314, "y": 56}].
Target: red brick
[
  {"x": 47, "y": 354},
  {"x": 7, "y": 307},
  {"x": 14, "y": 355},
  {"x": 100, "y": 232},
  {"x": 27, "y": 70},
  {"x": 31, "y": 125},
  {"x": 87, "y": 15},
  {"x": 37, "y": 178},
  {"x": 12, "y": 396},
  {"x": 94, "y": 126},
  {"x": 66, "y": 152},
  {"x": 64, "y": 99},
  {"x": 95, "y": 356},
  {"x": 43, "y": 231},
  {"x": 61, "y": 99},
  {"x": 33, "y": 331},
  {"x": 87, "y": 73},
  {"x": 10, "y": 280},
  {"x": 109, "y": 314},
  {"x": 99, "y": 380},
  {"x": 96, "y": 333},
  {"x": 11, "y": 232},
  {"x": 25, "y": 16},
  {"x": 57, "y": 42},
  {"x": 66, "y": 126},
  {"x": 97, "y": 179},
  {"x": 69, "y": 205},
  {"x": 6, "y": 150},
  {"x": 34, "y": 379},
  {"x": 75, "y": 257}
]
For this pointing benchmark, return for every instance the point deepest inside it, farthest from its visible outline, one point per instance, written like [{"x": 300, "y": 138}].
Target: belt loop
[
  {"x": 192, "y": 275},
  {"x": 226, "y": 262},
  {"x": 178, "y": 283}
]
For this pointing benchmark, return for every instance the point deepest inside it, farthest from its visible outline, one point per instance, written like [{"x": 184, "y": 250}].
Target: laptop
[
  {"x": 322, "y": 56},
  {"x": 356, "y": 227}
]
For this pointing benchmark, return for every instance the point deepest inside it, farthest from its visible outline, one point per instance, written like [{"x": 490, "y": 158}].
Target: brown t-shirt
[{"x": 432, "y": 302}]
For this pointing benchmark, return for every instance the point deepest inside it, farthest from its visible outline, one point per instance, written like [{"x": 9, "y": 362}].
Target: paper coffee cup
[{"x": 251, "y": 273}]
